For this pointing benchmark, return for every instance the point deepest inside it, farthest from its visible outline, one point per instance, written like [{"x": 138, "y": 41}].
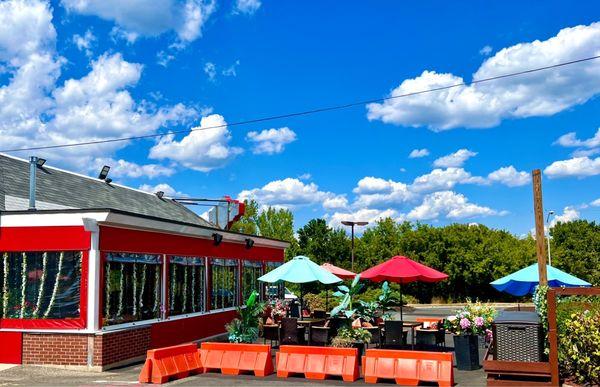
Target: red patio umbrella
[
  {"x": 402, "y": 270},
  {"x": 338, "y": 271}
]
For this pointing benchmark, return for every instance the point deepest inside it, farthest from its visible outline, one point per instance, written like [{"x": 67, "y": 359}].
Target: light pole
[
  {"x": 548, "y": 236},
  {"x": 352, "y": 224}
]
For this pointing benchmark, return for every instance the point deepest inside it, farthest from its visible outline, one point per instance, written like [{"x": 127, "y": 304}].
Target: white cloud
[
  {"x": 290, "y": 193},
  {"x": 210, "y": 70},
  {"x": 163, "y": 58},
  {"x": 456, "y": 159},
  {"x": 574, "y": 167},
  {"x": 150, "y": 17},
  {"x": 247, "y": 6},
  {"x": 305, "y": 176},
  {"x": 596, "y": 203},
  {"x": 485, "y": 50},
  {"x": 84, "y": 42},
  {"x": 569, "y": 214},
  {"x": 363, "y": 215},
  {"x": 486, "y": 104},
  {"x": 231, "y": 71},
  {"x": 271, "y": 141},
  {"x": 444, "y": 179},
  {"x": 164, "y": 187},
  {"x": 509, "y": 176},
  {"x": 571, "y": 140},
  {"x": 418, "y": 153},
  {"x": 124, "y": 168},
  {"x": 335, "y": 202},
  {"x": 374, "y": 192},
  {"x": 449, "y": 204},
  {"x": 201, "y": 150}
]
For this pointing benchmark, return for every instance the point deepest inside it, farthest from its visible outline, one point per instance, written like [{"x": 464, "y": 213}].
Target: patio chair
[
  {"x": 294, "y": 309},
  {"x": 375, "y": 336},
  {"x": 394, "y": 336},
  {"x": 337, "y": 323},
  {"x": 319, "y": 334},
  {"x": 319, "y": 313},
  {"x": 290, "y": 333},
  {"x": 271, "y": 332}
]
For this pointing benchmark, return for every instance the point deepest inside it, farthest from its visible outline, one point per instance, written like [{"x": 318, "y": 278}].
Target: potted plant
[
  {"x": 245, "y": 328},
  {"x": 278, "y": 311},
  {"x": 352, "y": 337},
  {"x": 467, "y": 325},
  {"x": 346, "y": 295}
]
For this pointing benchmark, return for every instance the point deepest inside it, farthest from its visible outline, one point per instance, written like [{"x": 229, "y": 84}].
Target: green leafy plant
[
  {"x": 380, "y": 307},
  {"x": 540, "y": 301},
  {"x": 244, "y": 329},
  {"x": 342, "y": 342},
  {"x": 475, "y": 318},
  {"x": 346, "y": 295},
  {"x": 354, "y": 335},
  {"x": 579, "y": 347}
]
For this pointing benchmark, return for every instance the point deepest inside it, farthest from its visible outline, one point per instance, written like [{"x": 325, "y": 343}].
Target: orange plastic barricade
[
  {"x": 177, "y": 362},
  {"x": 233, "y": 358},
  {"x": 408, "y": 367},
  {"x": 317, "y": 362}
]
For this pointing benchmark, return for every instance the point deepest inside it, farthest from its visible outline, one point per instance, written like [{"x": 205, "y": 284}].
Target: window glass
[
  {"x": 132, "y": 287},
  {"x": 187, "y": 281},
  {"x": 40, "y": 285},
  {"x": 251, "y": 270},
  {"x": 273, "y": 291},
  {"x": 224, "y": 283}
]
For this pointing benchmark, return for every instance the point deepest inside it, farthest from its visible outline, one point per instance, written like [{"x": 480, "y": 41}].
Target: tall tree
[
  {"x": 278, "y": 224},
  {"x": 575, "y": 248}
]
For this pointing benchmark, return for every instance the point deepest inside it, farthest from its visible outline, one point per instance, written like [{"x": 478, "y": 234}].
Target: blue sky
[{"x": 86, "y": 70}]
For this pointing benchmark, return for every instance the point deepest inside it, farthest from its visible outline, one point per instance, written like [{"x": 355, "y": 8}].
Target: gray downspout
[{"x": 32, "y": 170}]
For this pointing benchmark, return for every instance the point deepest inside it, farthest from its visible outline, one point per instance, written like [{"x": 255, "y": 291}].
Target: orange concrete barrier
[
  {"x": 233, "y": 358},
  {"x": 408, "y": 367},
  {"x": 317, "y": 362},
  {"x": 176, "y": 362}
]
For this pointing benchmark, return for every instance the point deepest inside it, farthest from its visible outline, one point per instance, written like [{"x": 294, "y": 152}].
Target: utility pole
[
  {"x": 352, "y": 224},
  {"x": 540, "y": 235}
]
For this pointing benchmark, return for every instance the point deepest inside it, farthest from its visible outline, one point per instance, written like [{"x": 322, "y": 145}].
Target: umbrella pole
[
  {"x": 326, "y": 298},
  {"x": 401, "y": 303},
  {"x": 301, "y": 302}
]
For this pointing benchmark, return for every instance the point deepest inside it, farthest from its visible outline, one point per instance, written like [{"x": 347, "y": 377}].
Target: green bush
[
  {"x": 317, "y": 301},
  {"x": 579, "y": 347}
]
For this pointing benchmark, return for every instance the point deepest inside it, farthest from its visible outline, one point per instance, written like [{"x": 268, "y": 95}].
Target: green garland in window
[
  {"x": 36, "y": 311},
  {"x": 23, "y": 285},
  {"x": 56, "y": 281},
  {"x": 121, "y": 293},
  {"x": 142, "y": 286},
  {"x": 156, "y": 290},
  {"x": 135, "y": 302},
  {"x": 193, "y": 288},
  {"x": 5, "y": 293},
  {"x": 172, "y": 293},
  {"x": 107, "y": 297},
  {"x": 185, "y": 280}
]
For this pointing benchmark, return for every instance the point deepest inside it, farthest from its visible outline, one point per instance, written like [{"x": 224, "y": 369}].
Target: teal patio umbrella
[
  {"x": 524, "y": 281},
  {"x": 300, "y": 270}
]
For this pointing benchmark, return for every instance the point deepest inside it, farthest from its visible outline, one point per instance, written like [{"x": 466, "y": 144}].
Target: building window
[
  {"x": 187, "y": 283},
  {"x": 273, "y": 291},
  {"x": 132, "y": 287},
  {"x": 251, "y": 270},
  {"x": 225, "y": 286},
  {"x": 40, "y": 285}
]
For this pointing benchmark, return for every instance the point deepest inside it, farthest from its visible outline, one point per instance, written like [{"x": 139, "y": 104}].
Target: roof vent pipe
[{"x": 32, "y": 170}]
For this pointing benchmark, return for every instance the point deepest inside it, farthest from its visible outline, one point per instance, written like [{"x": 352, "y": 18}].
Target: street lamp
[
  {"x": 548, "y": 236},
  {"x": 352, "y": 224}
]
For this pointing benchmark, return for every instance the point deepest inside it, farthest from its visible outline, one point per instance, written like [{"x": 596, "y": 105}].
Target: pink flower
[
  {"x": 465, "y": 323},
  {"x": 479, "y": 322},
  {"x": 488, "y": 335}
]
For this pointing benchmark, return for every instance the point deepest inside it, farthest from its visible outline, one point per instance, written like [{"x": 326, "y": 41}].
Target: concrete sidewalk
[{"x": 45, "y": 376}]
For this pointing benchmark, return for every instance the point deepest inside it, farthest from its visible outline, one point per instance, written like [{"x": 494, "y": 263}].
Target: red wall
[
  {"x": 135, "y": 241},
  {"x": 189, "y": 329}
]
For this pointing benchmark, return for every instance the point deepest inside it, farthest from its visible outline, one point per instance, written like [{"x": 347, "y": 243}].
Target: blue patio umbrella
[
  {"x": 300, "y": 270},
  {"x": 524, "y": 281}
]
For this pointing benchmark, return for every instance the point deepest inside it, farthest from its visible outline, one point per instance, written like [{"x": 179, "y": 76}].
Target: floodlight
[
  {"x": 104, "y": 172},
  {"x": 217, "y": 238},
  {"x": 249, "y": 243},
  {"x": 40, "y": 162},
  {"x": 160, "y": 194},
  {"x": 108, "y": 180}
]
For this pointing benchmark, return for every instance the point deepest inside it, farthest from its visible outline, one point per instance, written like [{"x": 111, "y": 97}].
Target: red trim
[
  {"x": 137, "y": 241},
  {"x": 11, "y": 350},
  {"x": 70, "y": 323},
  {"x": 101, "y": 289},
  {"x": 59, "y": 238},
  {"x": 166, "y": 281}
]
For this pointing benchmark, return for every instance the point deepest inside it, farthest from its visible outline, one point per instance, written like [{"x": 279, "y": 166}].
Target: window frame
[
  {"x": 167, "y": 290},
  {"x": 55, "y": 323},
  {"x": 237, "y": 291}
]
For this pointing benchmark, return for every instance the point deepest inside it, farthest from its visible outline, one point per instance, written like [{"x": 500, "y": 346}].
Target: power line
[{"x": 305, "y": 112}]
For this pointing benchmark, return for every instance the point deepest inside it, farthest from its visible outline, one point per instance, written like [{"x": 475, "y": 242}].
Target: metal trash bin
[{"x": 518, "y": 336}]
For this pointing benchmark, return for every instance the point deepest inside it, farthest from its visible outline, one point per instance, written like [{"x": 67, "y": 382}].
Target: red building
[{"x": 93, "y": 274}]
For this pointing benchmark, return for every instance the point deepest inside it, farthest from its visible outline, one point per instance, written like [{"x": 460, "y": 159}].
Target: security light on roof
[
  {"x": 160, "y": 194},
  {"x": 104, "y": 172},
  {"x": 40, "y": 162}
]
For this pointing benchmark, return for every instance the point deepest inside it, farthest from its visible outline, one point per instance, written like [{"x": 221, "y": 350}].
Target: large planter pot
[{"x": 466, "y": 351}]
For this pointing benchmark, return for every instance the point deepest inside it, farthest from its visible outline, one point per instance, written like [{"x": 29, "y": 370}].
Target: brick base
[{"x": 72, "y": 349}]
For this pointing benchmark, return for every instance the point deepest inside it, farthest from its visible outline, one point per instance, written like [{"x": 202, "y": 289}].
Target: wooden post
[
  {"x": 553, "y": 337},
  {"x": 540, "y": 235}
]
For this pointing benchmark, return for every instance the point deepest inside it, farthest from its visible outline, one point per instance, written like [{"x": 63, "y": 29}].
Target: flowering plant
[
  {"x": 474, "y": 318},
  {"x": 278, "y": 309}
]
